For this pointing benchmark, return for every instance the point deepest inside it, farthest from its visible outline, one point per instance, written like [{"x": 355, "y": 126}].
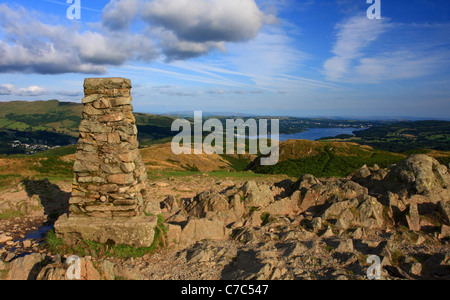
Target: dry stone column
[
  {"x": 110, "y": 184},
  {"x": 110, "y": 178}
]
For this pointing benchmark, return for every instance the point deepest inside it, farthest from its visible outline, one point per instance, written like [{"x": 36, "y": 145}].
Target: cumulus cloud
[
  {"x": 120, "y": 14},
  {"x": 10, "y": 89},
  {"x": 178, "y": 29},
  {"x": 206, "y": 20},
  {"x": 176, "y": 49},
  {"x": 31, "y": 91},
  {"x": 6, "y": 89},
  {"x": 31, "y": 46},
  {"x": 189, "y": 28}
]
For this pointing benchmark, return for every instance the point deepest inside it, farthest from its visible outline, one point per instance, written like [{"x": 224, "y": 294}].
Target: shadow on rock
[
  {"x": 54, "y": 200},
  {"x": 243, "y": 267}
]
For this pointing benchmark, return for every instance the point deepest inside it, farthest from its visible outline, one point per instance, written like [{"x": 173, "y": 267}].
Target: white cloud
[
  {"x": 120, "y": 14},
  {"x": 176, "y": 49},
  {"x": 10, "y": 89},
  {"x": 190, "y": 28},
  {"x": 373, "y": 51},
  {"x": 401, "y": 64},
  {"x": 6, "y": 89},
  {"x": 31, "y": 46},
  {"x": 206, "y": 20},
  {"x": 178, "y": 29},
  {"x": 353, "y": 36},
  {"x": 31, "y": 91}
]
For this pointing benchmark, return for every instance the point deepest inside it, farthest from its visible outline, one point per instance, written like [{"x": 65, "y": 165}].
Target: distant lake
[{"x": 317, "y": 133}]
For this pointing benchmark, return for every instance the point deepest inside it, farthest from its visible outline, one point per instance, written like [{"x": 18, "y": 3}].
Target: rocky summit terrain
[{"x": 265, "y": 229}]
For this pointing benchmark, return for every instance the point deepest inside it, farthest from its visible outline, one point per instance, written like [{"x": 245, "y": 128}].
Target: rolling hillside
[
  {"x": 53, "y": 116},
  {"x": 403, "y": 136},
  {"x": 29, "y": 127},
  {"x": 331, "y": 159}
]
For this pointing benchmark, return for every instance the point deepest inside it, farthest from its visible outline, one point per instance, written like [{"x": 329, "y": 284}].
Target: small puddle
[{"x": 38, "y": 234}]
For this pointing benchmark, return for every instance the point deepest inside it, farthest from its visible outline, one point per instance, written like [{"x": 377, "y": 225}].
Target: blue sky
[{"x": 264, "y": 57}]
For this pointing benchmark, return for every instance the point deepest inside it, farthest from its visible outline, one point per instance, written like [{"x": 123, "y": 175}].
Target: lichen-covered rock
[
  {"x": 306, "y": 181},
  {"x": 419, "y": 173},
  {"x": 137, "y": 232},
  {"x": 257, "y": 196},
  {"x": 26, "y": 267},
  {"x": 371, "y": 213},
  {"x": 311, "y": 201},
  {"x": 444, "y": 209},
  {"x": 201, "y": 229}
]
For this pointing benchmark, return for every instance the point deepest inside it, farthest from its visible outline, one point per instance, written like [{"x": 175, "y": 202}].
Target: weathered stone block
[
  {"x": 91, "y": 179},
  {"x": 112, "y": 117},
  {"x": 127, "y": 157},
  {"x": 122, "y": 179},
  {"x": 94, "y": 127},
  {"x": 137, "y": 232},
  {"x": 114, "y": 138},
  {"x": 90, "y": 110},
  {"x": 89, "y": 99},
  {"x": 200, "y": 229},
  {"x": 79, "y": 167},
  {"x": 119, "y": 101},
  {"x": 106, "y": 83},
  {"x": 127, "y": 167},
  {"x": 88, "y": 157},
  {"x": 111, "y": 169},
  {"x": 101, "y": 103}
]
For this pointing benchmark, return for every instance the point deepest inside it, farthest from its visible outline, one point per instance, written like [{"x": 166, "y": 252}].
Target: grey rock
[
  {"x": 419, "y": 172},
  {"x": 26, "y": 268}
]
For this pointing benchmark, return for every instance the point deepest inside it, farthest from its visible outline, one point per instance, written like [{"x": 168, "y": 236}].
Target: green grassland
[
  {"x": 404, "y": 136},
  {"x": 327, "y": 159},
  {"x": 53, "y": 115}
]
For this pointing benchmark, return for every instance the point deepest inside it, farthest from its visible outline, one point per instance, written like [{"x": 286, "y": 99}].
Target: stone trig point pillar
[{"x": 110, "y": 185}]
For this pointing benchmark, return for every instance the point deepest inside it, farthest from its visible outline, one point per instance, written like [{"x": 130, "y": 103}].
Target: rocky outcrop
[
  {"x": 341, "y": 213},
  {"x": 367, "y": 201},
  {"x": 26, "y": 268},
  {"x": 419, "y": 174},
  {"x": 313, "y": 228}
]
